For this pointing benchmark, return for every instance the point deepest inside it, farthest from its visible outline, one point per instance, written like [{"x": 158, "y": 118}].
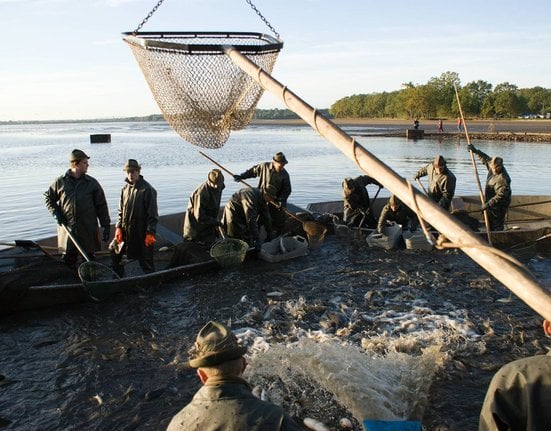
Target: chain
[
  {"x": 253, "y": 7},
  {"x": 149, "y": 15}
]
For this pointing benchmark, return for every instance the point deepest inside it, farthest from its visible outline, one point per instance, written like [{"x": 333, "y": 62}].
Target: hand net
[{"x": 202, "y": 94}]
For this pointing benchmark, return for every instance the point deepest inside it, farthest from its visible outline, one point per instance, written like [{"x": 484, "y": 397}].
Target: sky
[{"x": 65, "y": 59}]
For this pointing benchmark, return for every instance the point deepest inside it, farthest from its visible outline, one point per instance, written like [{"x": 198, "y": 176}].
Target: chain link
[
  {"x": 149, "y": 15},
  {"x": 253, "y": 7}
]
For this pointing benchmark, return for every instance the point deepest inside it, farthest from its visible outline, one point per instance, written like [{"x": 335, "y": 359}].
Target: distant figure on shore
[
  {"x": 498, "y": 189},
  {"x": 441, "y": 181},
  {"x": 519, "y": 395},
  {"x": 137, "y": 219},
  {"x": 416, "y": 124},
  {"x": 440, "y": 126},
  {"x": 77, "y": 200},
  {"x": 459, "y": 124}
]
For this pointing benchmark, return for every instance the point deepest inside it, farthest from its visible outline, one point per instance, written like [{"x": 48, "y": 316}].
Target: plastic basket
[{"x": 229, "y": 252}]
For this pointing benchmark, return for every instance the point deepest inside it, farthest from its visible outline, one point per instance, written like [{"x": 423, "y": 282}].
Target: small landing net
[{"x": 202, "y": 94}]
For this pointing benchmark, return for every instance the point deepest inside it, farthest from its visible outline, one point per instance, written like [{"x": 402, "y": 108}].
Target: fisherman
[
  {"x": 137, "y": 219},
  {"x": 201, "y": 219},
  {"x": 225, "y": 401},
  {"x": 244, "y": 212},
  {"x": 519, "y": 395},
  {"x": 357, "y": 206},
  {"x": 77, "y": 201},
  {"x": 272, "y": 175},
  {"x": 441, "y": 181},
  {"x": 498, "y": 189},
  {"x": 396, "y": 211}
]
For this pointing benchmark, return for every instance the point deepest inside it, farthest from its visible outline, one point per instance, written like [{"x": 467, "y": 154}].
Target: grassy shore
[{"x": 479, "y": 126}]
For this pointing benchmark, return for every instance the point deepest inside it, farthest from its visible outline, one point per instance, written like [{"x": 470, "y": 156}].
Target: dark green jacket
[
  {"x": 441, "y": 186},
  {"x": 357, "y": 201},
  {"x": 229, "y": 405},
  {"x": 498, "y": 186},
  {"x": 82, "y": 203},
  {"x": 137, "y": 215},
  {"x": 519, "y": 397},
  {"x": 276, "y": 184},
  {"x": 403, "y": 216},
  {"x": 202, "y": 214},
  {"x": 244, "y": 212}
]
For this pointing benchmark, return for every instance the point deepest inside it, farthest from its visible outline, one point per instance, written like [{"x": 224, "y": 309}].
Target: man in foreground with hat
[
  {"x": 396, "y": 211},
  {"x": 201, "y": 219},
  {"x": 273, "y": 178},
  {"x": 77, "y": 201},
  {"x": 441, "y": 181},
  {"x": 498, "y": 189},
  {"x": 137, "y": 219},
  {"x": 225, "y": 401}
]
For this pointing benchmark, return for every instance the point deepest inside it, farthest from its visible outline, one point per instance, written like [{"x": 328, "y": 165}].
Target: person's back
[
  {"x": 231, "y": 406},
  {"x": 225, "y": 401},
  {"x": 519, "y": 395}
]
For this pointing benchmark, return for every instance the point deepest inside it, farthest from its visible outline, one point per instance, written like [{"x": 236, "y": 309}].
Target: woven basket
[{"x": 229, "y": 252}]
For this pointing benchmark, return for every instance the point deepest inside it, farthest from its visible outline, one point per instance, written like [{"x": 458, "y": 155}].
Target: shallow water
[
  {"x": 351, "y": 332},
  {"x": 31, "y": 156}
]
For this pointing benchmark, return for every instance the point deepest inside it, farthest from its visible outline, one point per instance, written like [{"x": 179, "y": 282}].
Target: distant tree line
[{"x": 436, "y": 99}]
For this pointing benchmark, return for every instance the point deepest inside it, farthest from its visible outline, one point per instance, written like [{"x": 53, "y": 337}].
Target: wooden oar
[
  {"x": 481, "y": 193},
  {"x": 516, "y": 277},
  {"x": 285, "y": 210}
]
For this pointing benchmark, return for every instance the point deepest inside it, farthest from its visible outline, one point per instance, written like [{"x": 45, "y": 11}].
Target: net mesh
[{"x": 202, "y": 94}]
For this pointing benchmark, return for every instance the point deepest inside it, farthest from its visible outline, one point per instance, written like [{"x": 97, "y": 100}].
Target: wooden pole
[
  {"x": 481, "y": 193},
  {"x": 515, "y": 276}
]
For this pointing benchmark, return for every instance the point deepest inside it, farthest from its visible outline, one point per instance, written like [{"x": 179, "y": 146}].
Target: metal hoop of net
[{"x": 202, "y": 94}]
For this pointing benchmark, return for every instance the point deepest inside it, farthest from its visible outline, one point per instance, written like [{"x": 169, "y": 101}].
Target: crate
[
  {"x": 416, "y": 241},
  {"x": 283, "y": 248},
  {"x": 388, "y": 239}
]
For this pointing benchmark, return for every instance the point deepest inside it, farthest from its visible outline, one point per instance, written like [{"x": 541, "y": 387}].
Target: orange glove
[
  {"x": 118, "y": 235},
  {"x": 150, "y": 240}
]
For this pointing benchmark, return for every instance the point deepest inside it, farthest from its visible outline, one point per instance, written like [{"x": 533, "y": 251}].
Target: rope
[{"x": 253, "y": 7}]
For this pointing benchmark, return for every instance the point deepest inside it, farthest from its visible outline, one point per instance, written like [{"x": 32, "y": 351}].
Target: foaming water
[{"x": 31, "y": 156}]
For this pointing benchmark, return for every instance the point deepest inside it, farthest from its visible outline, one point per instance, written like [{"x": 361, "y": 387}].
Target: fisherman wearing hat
[
  {"x": 201, "y": 218},
  {"x": 77, "y": 201},
  {"x": 357, "y": 206},
  {"x": 396, "y": 211},
  {"x": 274, "y": 179},
  {"x": 137, "y": 219},
  {"x": 225, "y": 401},
  {"x": 498, "y": 189},
  {"x": 243, "y": 214},
  {"x": 441, "y": 181}
]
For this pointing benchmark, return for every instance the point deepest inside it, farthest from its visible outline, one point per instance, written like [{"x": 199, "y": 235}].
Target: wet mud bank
[{"x": 347, "y": 331}]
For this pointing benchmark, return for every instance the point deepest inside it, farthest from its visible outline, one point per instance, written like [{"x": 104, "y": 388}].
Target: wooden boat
[
  {"x": 29, "y": 279},
  {"x": 528, "y": 221}
]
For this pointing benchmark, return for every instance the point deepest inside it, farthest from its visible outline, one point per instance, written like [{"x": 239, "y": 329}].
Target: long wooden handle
[
  {"x": 289, "y": 213},
  {"x": 75, "y": 242},
  {"x": 481, "y": 193},
  {"x": 515, "y": 277},
  {"x": 422, "y": 186}
]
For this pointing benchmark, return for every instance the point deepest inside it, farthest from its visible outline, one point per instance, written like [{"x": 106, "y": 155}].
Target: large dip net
[{"x": 201, "y": 92}]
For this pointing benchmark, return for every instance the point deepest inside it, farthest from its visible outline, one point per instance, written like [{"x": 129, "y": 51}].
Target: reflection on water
[{"x": 31, "y": 156}]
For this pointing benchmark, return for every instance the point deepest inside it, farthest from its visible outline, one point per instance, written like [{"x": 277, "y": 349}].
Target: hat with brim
[
  {"x": 439, "y": 162},
  {"x": 280, "y": 158},
  {"x": 215, "y": 344},
  {"x": 77, "y": 155},
  {"x": 132, "y": 165}
]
